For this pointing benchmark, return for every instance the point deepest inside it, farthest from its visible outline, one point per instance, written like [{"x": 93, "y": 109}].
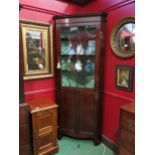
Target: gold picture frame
[
  {"x": 122, "y": 39},
  {"x": 124, "y": 77},
  {"x": 37, "y": 49}
]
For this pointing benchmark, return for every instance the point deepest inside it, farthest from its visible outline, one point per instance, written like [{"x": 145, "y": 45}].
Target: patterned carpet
[{"x": 69, "y": 146}]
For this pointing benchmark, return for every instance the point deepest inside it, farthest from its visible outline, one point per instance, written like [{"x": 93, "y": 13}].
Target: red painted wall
[{"x": 112, "y": 98}]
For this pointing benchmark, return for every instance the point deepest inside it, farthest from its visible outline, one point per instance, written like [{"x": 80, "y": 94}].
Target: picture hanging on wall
[
  {"x": 37, "y": 49},
  {"x": 124, "y": 77},
  {"x": 122, "y": 39}
]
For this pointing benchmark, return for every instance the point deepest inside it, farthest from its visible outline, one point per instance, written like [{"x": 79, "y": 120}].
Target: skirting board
[{"x": 109, "y": 143}]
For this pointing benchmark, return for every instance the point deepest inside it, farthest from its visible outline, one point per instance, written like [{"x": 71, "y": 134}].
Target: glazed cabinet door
[{"x": 77, "y": 56}]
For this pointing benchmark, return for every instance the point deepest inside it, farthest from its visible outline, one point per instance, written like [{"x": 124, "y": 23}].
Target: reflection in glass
[
  {"x": 64, "y": 47},
  {"x": 35, "y": 43},
  {"x": 125, "y": 38},
  {"x": 90, "y": 48},
  {"x": 78, "y": 48}
]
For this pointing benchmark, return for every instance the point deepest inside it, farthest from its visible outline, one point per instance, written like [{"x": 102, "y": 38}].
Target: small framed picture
[
  {"x": 124, "y": 77},
  {"x": 37, "y": 50}
]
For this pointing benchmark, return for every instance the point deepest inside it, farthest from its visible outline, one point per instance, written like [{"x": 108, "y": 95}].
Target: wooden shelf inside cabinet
[
  {"x": 66, "y": 39},
  {"x": 127, "y": 130},
  {"x": 78, "y": 55},
  {"x": 43, "y": 126}
]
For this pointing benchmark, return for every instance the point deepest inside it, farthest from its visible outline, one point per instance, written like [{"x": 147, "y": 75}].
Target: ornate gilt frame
[
  {"x": 46, "y": 30},
  {"x": 116, "y": 50}
]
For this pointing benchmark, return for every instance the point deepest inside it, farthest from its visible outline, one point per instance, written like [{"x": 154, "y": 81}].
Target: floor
[{"x": 69, "y": 146}]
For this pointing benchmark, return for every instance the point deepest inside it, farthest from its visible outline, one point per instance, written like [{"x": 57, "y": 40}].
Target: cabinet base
[{"x": 80, "y": 136}]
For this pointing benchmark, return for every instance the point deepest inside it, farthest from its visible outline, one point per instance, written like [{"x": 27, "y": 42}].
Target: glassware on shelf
[
  {"x": 70, "y": 51},
  {"x": 90, "y": 50},
  {"x": 69, "y": 65},
  {"x": 78, "y": 65},
  {"x": 89, "y": 66},
  {"x": 64, "y": 47},
  {"x": 80, "y": 50},
  {"x": 78, "y": 47}
]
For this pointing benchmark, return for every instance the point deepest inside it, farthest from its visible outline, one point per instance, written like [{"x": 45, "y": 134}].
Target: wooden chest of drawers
[
  {"x": 44, "y": 126},
  {"x": 127, "y": 130},
  {"x": 24, "y": 132}
]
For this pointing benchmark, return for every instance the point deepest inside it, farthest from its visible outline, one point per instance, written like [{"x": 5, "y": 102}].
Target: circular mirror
[{"x": 122, "y": 38}]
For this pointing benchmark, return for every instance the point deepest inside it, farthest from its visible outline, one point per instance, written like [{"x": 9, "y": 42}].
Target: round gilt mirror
[{"x": 122, "y": 38}]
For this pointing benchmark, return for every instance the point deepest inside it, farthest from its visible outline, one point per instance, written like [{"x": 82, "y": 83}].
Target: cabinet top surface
[
  {"x": 39, "y": 105},
  {"x": 129, "y": 107}
]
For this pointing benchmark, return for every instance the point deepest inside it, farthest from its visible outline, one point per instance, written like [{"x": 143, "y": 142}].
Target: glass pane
[
  {"x": 68, "y": 74},
  {"x": 64, "y": 47},
  {"x": 78, "y": 47},
  {"x": 89, "y": 70},
  {"x": 80, "y": 73},
  {"x": 125, "y": 38},
  {"x": 36, "y": 47}
]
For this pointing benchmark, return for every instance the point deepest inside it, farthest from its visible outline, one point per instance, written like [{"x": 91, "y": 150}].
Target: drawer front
[
  {"x": 128, "y": 120},
  {"x": 127, "y": 140},
  {"x": 124, "y": 151},
  {"x": 45, "y": 143},
  {"x": 23, "y": 136},
  {"x": 22, "y": 116},
  {"x": 44, "y": 122}
]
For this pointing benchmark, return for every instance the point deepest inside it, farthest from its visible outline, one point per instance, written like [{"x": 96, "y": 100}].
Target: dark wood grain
[
  {"x": 43, "y": 114},
  {"x": 24, "y": 126},
  {"x": 21, "y": 82},
  {"x": 24, "y": 132},
  {"x": 80, "y": 110},
  {"x": 127, "y": 130},
  {"x": 78, "y": 2}
]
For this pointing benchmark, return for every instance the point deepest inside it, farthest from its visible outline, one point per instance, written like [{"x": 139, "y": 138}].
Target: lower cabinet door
[
  {"x": 77, "y": 114},
  {"x": 87, "y": 114},
  {"x": 45, "y": 143},
  {"x": 68, "y": 111}
]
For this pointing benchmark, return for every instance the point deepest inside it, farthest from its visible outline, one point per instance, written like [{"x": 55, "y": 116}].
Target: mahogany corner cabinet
[{"x": 79, "y": 49}]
